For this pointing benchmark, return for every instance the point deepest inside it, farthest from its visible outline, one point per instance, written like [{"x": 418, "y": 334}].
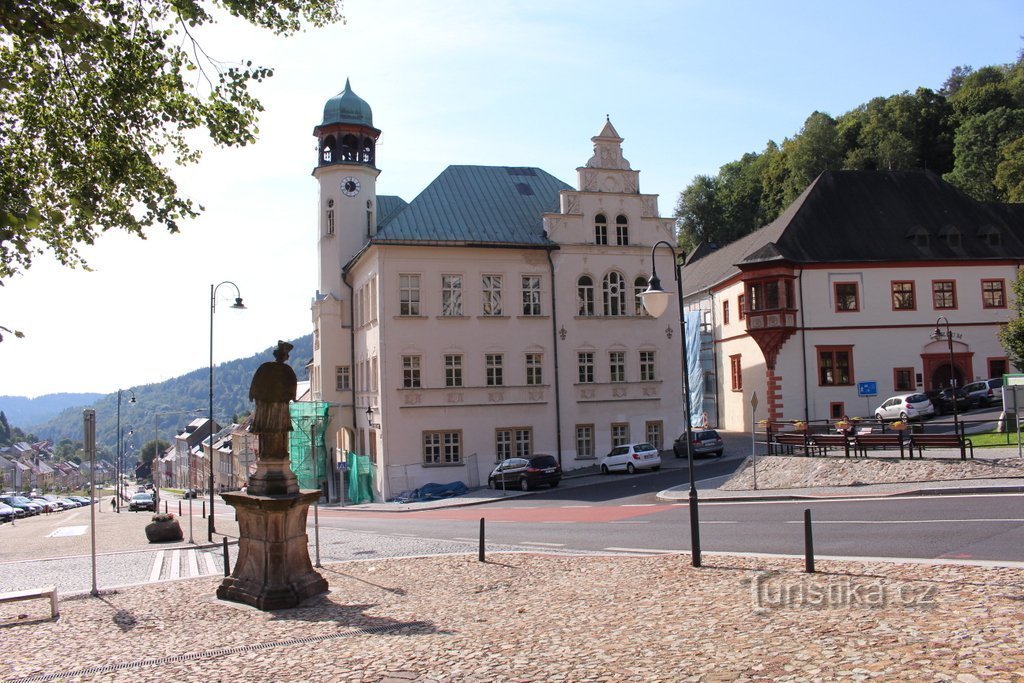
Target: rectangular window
[
  {"x": 903, "y": 379},
  {"x": 903, "y": 295},
  {"x": 584, "y": 441},
  {"x": 653, "y": 431},
  {"x": 600, "y": 233},
  {"x": 502, "y": 444},
  {"x": 534, "y": 369},
  {"x": 342, "y": 378},
  {"x": 531, "y": 295},
  {"x": 330, "y": 221},
  {"x": 997, "y": 367},
  {"x": 943, "y": 294},
  {"x": 620, "y": 434},
  {"x": 836, "y": 409},
  {"x": 374, "y": 375},
  {"x": 442, "y": 448},
  {"x": 408, "y": 294},
  {"x": 835, "y": 366},
  {"x": 494, "y": 369},
  {"x": 451, "y": 295},
  {"x": 647, "y": 366},
  {"x": 725, "y": 312},
  {"x": 617, "y": 366},
  {"x": 621, "y": 234},
  {"x": 453, "y": 370},
  {"x": 411, "y": 372},
  {"x": 846, "y": 296},
  {"x": 523, "y": 443},
  {"x": 993, "y": 294},
  {"x": 491, "y": 285},
  {"x": 585, "y": 364},
  {"x": 741, "y": 305},
  {"x": 737, "y": 372}
]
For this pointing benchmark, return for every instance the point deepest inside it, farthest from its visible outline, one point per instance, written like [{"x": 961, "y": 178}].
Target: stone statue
[{"x": 273, "y": 388}]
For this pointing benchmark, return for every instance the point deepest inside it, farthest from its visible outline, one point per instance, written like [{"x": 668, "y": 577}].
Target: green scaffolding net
[
  {"x": 360, "y": 474},
  {"x": 306, "y": 451}
]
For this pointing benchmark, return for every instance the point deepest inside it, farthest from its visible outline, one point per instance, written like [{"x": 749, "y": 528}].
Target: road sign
[{"x": 867, "y": 388}]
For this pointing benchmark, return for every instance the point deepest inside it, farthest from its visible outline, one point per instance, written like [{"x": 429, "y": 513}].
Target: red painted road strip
[{"x": 554, "y": 514}]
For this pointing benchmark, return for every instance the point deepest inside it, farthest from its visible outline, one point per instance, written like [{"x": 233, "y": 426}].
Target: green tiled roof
[
  {"x": 479, "y": 204},
  {"x": 347, "y": 107}
]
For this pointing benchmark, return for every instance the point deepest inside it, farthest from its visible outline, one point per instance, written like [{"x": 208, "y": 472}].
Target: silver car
[{"x": 905, "y": 407}]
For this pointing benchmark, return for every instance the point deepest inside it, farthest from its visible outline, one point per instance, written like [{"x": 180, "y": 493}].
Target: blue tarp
[{"x": 431, "y": 492}]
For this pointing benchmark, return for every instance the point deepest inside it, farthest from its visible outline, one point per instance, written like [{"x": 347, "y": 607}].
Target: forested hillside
[
  {"x": 971, "y": 132},
  {"x": 184, "y": 397}
]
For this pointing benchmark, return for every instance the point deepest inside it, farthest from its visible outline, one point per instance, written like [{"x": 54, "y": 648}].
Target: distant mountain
[
  {"x": 24, "y": 412},
  {"x": 178, "y": 401}
]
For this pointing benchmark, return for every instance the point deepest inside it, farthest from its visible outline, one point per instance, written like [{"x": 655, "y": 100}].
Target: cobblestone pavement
[{"x": 532, "y": 617}]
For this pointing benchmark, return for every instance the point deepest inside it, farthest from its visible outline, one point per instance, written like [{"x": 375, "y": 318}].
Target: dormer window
[
  {"x": 950, "y": 235},
  {"x": 918, "y": 236},
  {"x": 990, "y": 235}
]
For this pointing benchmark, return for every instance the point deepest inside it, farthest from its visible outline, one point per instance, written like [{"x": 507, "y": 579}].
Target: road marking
[
  {"x": 175, "y": 564},
  {"x": 459, "y": 538},
  {"x": 817, "y": 500},
  {"x": 544, "y": 545},
  {"x": 907, "y": 521},
  {"x": 67, "y": 531},
  {"x": 657, "y": 551},
  {"x": 638, "y": 505},
  {"x": 158, "y": 565},
  {"x": 211, "y": 568},
  {"x": 577, "y": 506},
  {"x": 193, "y": 563}
]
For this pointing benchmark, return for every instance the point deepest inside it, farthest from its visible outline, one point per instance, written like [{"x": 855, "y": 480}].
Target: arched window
[
  {"x": 639, "y": 287},
  {"x": 349, "y": 148},
  {"x": 367, "y": 151},
  {"x": 600, "y": 229},
  {"x": 621, "y": 230},
  {"x": 326, "y": 145},
  {"x": 585, "y": 296},
  {"x": 614, "y": 291}
]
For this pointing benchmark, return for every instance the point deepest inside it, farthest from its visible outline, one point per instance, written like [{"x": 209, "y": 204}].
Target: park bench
[
  {"x": 48, "y": 592},
  {"x": 787, "y": 441},
  {"x": 823, "y": 442},
  {"x": 862, "y": 442},
  {"x": 923, "y": 441}
]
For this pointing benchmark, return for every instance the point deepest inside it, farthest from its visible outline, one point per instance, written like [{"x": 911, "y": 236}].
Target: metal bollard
[
  {"x": 227, "y": 560},
  {"x": 808, "y": 543},
  {"x": 179, "y": 508},
  {"x": 481, "y": 557},
  {"x": 204, "y": 508}
]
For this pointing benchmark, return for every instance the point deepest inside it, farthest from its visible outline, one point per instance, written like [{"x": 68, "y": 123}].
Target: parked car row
[
  {"x": 16, "y": 506},
  {"x": 917, "y": 405}
]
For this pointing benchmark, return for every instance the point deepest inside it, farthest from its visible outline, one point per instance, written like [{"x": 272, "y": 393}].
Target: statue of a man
[{"x": 273, "y": 388}]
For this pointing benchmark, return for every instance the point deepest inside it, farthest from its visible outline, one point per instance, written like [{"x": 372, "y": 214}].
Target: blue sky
[{"x": 690, "y": 85}]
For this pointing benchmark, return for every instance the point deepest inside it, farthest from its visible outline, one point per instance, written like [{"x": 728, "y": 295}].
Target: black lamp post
[
  {"x": 936, "y": 336},
  {"x": 117, "y": 448},
  {"x": 213, "y": 307},
  {"x": 656, "y": 302}
]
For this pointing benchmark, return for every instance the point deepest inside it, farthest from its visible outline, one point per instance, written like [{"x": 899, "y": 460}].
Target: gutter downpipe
[
  {"x": 554, "y": 341},
  {"x": 803, "y": 341}
]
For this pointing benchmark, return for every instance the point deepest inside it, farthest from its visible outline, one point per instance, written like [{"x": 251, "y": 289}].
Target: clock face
[{"x": 350, "y": 186}]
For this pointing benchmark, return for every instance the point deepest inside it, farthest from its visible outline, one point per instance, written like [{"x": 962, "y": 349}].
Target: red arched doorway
[{"x": 938, "y": 371}]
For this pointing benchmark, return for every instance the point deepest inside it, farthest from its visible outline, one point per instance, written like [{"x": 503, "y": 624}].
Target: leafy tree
[
  {"x": 698, "y": 212},
  {"x": 979, "y": 147},
  {"x": 98, "y": 96},
  {"x": 1011, "y": 335},
  {"x": 817, "y": 148}
]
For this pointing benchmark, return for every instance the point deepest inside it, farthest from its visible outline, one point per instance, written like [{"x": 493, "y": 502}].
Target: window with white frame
[
  {"x": 600, "y": 229},
  {"x": 639, "y": 287},
  {"x": 442, "y": 448},
  {"x": 647, "y": 366},
  {"x": 408, "y": 294},
  {"x": 585, "y": 364},
  {"x": 585, "y": 296},
  {"x": 451, "y": 295},
  {"x": 502, "y": 444},
  {"x": 614, "y": 294},
  {"x": 584, "y": 441},
  {"x": 621, "y": 230},
  {"x": 617, "y": 366},
  {"x": 534, "y": 369},
  {"x": 620, "y": 434},
  {"x": 494, "y": 369},
  {"x": 411, "y": 372},
  {"x": 491, "y": 285},
  {"x": 531, "y": 295},
  {"x": 523, "y": 442},
  {"x": 654, "y": 431},
  {"x": 453, "y": 370},
  {"x": 342, "y": 378}
]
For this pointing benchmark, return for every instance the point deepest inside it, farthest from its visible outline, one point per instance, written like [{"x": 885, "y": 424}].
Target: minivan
[{"x": 985, "y": 392}]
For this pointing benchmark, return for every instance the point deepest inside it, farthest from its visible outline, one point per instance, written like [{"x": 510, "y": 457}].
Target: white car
[
  {"x": 905, "y": 407},
  {"x": 631, "y": 457}
]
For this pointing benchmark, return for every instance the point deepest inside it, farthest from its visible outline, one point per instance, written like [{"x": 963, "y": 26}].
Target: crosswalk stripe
[
  {"x": 158, "y": 565},
  {"x": 175, "y": 564},
  {"x": 211, "y": 567},
  {"x": 193, "y": 563}
]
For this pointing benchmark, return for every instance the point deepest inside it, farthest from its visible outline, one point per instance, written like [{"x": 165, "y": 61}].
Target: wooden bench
[
  {"x": 862, "y": 442},
  {"x": 48, "y": 592},
  {"x": 923, "y": 441},
  {"x": 823, "y": 442},
  {"x": 790, "y": 440}
]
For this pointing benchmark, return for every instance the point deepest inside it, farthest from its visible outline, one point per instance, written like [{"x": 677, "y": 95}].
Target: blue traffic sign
[{"x": 867, "y": 388}]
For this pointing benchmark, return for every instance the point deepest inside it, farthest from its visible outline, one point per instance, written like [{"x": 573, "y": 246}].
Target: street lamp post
[
  {"x": 936, "y": 336},
  {"x": 655, "y": 300},
  {"x": 213, "y": 307},
  {"x": 117, "y": 448}
]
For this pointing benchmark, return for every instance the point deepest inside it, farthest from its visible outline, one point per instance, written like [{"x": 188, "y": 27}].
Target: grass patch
[{"x": 993, "y": 439}]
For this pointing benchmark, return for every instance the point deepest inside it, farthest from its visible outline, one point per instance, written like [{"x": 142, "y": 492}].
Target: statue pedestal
[{"x": 273, "y": 570}]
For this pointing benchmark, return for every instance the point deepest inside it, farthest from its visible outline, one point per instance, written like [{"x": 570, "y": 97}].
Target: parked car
[
  {"x": 142, "y": 501},
  {"x": 48, "y": 505},
  {"x": 525, "y": 473},
  {"x": 942, "y": 400},
  {"x": 985, "y": 392},
  {"x": 705, "y": 442},
  {"x": 189, "y": 493},
  {"x": 631, "y": 457},
  {"x": 905, "y": 407},
  {"x": 7, "y": 513},
  {"x": 20, "y": 511}
]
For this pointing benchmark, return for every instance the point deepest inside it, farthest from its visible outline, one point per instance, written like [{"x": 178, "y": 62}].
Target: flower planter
[{"x": 164, "y": 532}]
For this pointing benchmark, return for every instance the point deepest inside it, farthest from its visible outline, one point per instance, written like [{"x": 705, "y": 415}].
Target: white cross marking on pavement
[{"x": 67, "y": 531}]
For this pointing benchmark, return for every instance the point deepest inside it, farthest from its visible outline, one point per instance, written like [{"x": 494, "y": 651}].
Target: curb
[{"x": 942, "y": 491}]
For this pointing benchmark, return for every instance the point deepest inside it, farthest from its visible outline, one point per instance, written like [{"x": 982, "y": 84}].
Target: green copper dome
[{"x": 347, "y": 107}]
